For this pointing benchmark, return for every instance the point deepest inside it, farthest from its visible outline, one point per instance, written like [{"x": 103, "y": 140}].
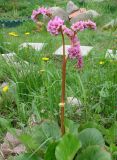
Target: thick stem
[{"x": 63, "y": 85}]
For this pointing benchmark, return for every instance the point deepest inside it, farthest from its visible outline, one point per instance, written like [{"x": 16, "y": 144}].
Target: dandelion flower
[
  {"x": 27, "y": 33},
  {"x": 5, "y": 88},
  {"x": 101, "y": 62},
  {"x": 13, "y": 34},
  {"x": 45, "y": 59}
]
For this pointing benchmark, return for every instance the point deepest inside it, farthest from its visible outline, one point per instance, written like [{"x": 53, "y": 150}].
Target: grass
[{"x": 34, "y": 91}]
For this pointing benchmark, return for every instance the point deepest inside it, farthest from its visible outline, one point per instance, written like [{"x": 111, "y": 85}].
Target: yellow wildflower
[
  {"x": 5, "y": 88},
  {"x": 101, "y": 62},
  {"x": 45, "y": 59},
  {"x": 27, "y": 33},
  {"x": 13, "y": 34}
]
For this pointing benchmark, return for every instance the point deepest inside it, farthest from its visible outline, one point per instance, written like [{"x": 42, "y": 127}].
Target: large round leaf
[
  {"x": 71, "y": 126},
  {"x": 46, "y": 130},
  {"x": 92, "y": 124},
  {"x": 27, "y": 156},
  {"x": 50, "y": 153},
  {"x": 91, "y": 136},
  {"x": 94, "y": 153},
  {"x": 67, "y": 147}
]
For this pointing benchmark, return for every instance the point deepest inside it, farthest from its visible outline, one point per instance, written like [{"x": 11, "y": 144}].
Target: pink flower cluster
[
  {"x": 55, "y": 25},
  {"x": 91, "y": 25},
  {"x": 67, "y": 31},
  {"x": 75, "y": 52},
  {"x": 82, "y": 25},
  {"x": 43, "y": 11},
  {"x": 78, "y": 26}
]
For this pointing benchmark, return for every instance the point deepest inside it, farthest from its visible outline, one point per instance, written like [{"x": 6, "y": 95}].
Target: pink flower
[
  {"x": 91, "y": 25},
  {"x": 74, "y": 40},
  {"x": 54, "y": 25},
  {"x": 80, "y": 61},
  {"x": 34, "y": 15},
  {"x": 67, "y": 31},
  {"x": 43, "y": 11},
  {"x": 78, "y": 26},
  {"x": 74, "y": 52},
  {"x": 82, "y": 25}
]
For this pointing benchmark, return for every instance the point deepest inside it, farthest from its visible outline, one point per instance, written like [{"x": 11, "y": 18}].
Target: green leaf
[
  {"x": 67, "y": 147},
  {"x": 26, "y": 156},
  {"x": 50, "y": 153},
  {"x": 111, "y": 135},
  {"x": 94, "y": 153},
  {"x": 5, "y": 124},
  {"x": 71, "y": 127},
  {"x": 28, "y": 141},
  {"x": 46, "y": 130},
  {"x": 91, "y": 136},
  {"x": 92, "y": 124},
  {"x": 51, "y": 129},
  {"x": 104, "y": 93},
  {"x": 40, "y": 133}
]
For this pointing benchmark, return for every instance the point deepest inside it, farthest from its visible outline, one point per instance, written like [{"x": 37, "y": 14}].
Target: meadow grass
[{"x": 38, "y": 84}]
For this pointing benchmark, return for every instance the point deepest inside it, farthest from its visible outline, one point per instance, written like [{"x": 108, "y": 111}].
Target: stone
[
  {"x": 5, "y": 149},
  {"x": 111, "y": 25},
  {"x": 90, "y": 14},
  {"x": 9, "y": 57},
  {"x": 57, "y": 11},
  {"x": 19, "y": 149},
  {"x": 10, "y": 138},
  {"x": 84, "y": 50},
  {"x": 111, "y": 54},
  {"x": 36, "y": 46},
  {"x": 12, "y": 145},
  {"x": 74, "y": 14},
  {"x": 73, "y": 101},
  {"x": 71, "y": 7}
]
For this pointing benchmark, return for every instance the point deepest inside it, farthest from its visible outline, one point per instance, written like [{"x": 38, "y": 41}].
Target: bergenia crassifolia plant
[{"x": 56, "y": 26}]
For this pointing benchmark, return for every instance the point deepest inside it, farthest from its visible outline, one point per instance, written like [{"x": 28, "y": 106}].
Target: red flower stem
[{"x": 63, "y": 86}]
